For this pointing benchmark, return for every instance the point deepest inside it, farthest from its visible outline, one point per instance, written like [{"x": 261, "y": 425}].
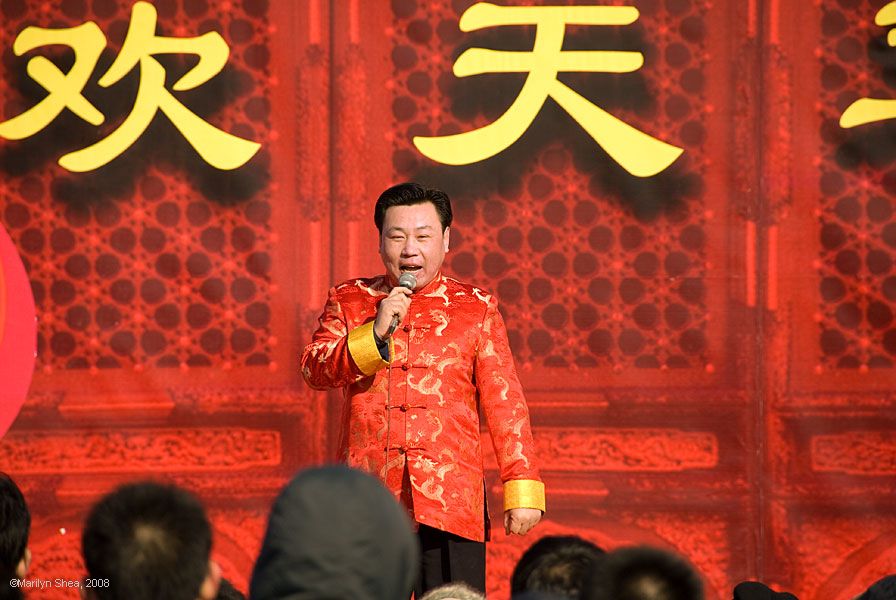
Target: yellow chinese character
[
  {"x": 64, "y": 88},
  {"x": 869, "y": 110},
  {"x": 637, "y": 152},
  {"x": 218, "y": 148}
]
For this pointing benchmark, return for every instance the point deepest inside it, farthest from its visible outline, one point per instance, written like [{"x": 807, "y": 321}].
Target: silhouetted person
[
  {"x": 336, "y": 532},
  {"x": 557, "y": 564},
  {"x": 643, "y": 573},
  {"x": 150, "y": 541},
  {"x": 882, "y": 589},
  {"x": 534, "y": 595},
  {"x": 753, "y": 590},
  {"x": 15, "y": 525},
  {"x": 453, "y": 591},
  {"x": 228, "y": 592}
]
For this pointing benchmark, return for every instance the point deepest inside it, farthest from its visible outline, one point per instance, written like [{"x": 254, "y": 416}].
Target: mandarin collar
[
  {"x": 383, "y": 285},
  {"x": 431, "y": 286}
]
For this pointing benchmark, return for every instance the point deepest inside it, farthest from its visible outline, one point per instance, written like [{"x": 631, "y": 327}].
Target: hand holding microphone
[{"x": 393, "y": 309}]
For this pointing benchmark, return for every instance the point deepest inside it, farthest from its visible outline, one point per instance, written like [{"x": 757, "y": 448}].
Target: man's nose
[{"x": 410, "y": 248}]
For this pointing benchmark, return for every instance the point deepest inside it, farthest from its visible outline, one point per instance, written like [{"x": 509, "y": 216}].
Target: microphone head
[{"x": 407, "y": 280}]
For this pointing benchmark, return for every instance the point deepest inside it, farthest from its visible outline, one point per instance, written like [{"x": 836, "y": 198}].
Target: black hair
[
  {"x": 15, "y": 525},
  {"x": 556, "y": 564},
  {"x": 149, "y": 541},
  {"x": 409, "y": 193},
  {"x": 226, "y": 591},
  {"x": 643, "y": 573}
]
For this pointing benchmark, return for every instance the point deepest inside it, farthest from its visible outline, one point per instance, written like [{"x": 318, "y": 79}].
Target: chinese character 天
[{"x": 638, "y": 153}]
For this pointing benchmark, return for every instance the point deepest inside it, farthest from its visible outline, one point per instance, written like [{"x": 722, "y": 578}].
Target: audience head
[
  {"x": 753, "y": 590},
  {"x": 882, "y": 589},
  {"x": 150, "y": 541},
  {"x": 643, "y": 573},
  {"x": 226, "y": 591},
  {"x": 557, "y": 564},
  {"x": 533, "y": 595},
  {"x": 336, "y": 532},
  {"x": 453, "y": 591},
  {"x": 15, "y": 525}
]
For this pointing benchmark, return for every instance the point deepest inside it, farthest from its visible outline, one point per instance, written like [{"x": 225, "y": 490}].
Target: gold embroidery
[
  {"x": 439, "y": 293},
  {"x": 431, "y": 490}
]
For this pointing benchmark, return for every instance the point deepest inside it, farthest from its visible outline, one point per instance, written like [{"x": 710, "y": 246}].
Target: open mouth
[{"x": 410, "y": 268}]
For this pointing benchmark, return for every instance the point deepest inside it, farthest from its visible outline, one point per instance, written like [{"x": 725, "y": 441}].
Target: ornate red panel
[
  {"x": 830, "y": 388},
  {"x": 170, "y": 295},
  {"x": 707, "y": 352}
]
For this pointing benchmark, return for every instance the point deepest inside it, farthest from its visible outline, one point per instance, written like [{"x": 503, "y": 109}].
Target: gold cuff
[
  {"x": 523, "y": 493},
  {"x": 363, "y": 350}
]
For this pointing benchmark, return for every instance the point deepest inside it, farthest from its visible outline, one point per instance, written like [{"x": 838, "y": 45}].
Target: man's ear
[
  {"x": 24, "y": 564},
  {"x": 209, "y": 588},
  {"x": 445, "y": 237}
]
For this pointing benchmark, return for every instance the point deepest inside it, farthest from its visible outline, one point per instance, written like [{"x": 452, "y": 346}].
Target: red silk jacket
[{"x": 414, "y": 420}]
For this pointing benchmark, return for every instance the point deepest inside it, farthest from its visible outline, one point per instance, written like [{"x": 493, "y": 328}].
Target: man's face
[{"x": 412, "y": 241}]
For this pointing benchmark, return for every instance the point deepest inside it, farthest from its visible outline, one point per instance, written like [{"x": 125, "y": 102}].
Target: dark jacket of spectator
[
  {"x": 335, "y": 532},
  {"x": 882, "y": 589}
]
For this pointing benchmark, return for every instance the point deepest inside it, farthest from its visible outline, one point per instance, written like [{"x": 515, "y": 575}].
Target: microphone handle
[
  {"x": 392, "y": 326},
  {"x": 407, "y": 281}
]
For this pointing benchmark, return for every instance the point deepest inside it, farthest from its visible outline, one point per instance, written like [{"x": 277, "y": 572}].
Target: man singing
[{"x": 418, "y": 355}]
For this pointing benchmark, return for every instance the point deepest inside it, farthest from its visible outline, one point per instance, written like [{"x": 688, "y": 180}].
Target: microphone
[{"x": 407, "y": 280}]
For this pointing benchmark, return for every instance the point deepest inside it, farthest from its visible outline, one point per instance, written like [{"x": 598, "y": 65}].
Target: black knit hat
[
  {"x": 753, "y": 590},
  {"x": 882, "y": 589}
]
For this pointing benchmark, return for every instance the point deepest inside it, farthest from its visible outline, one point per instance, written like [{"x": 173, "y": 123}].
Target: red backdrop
[{"x": 707, "y": 353}]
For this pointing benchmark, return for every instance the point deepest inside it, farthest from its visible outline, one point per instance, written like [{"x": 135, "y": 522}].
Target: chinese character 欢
[{"x": 218, "y": 148}]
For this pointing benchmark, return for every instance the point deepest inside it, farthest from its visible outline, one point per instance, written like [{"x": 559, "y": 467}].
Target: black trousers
[{"x": 449, "y": 558}]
